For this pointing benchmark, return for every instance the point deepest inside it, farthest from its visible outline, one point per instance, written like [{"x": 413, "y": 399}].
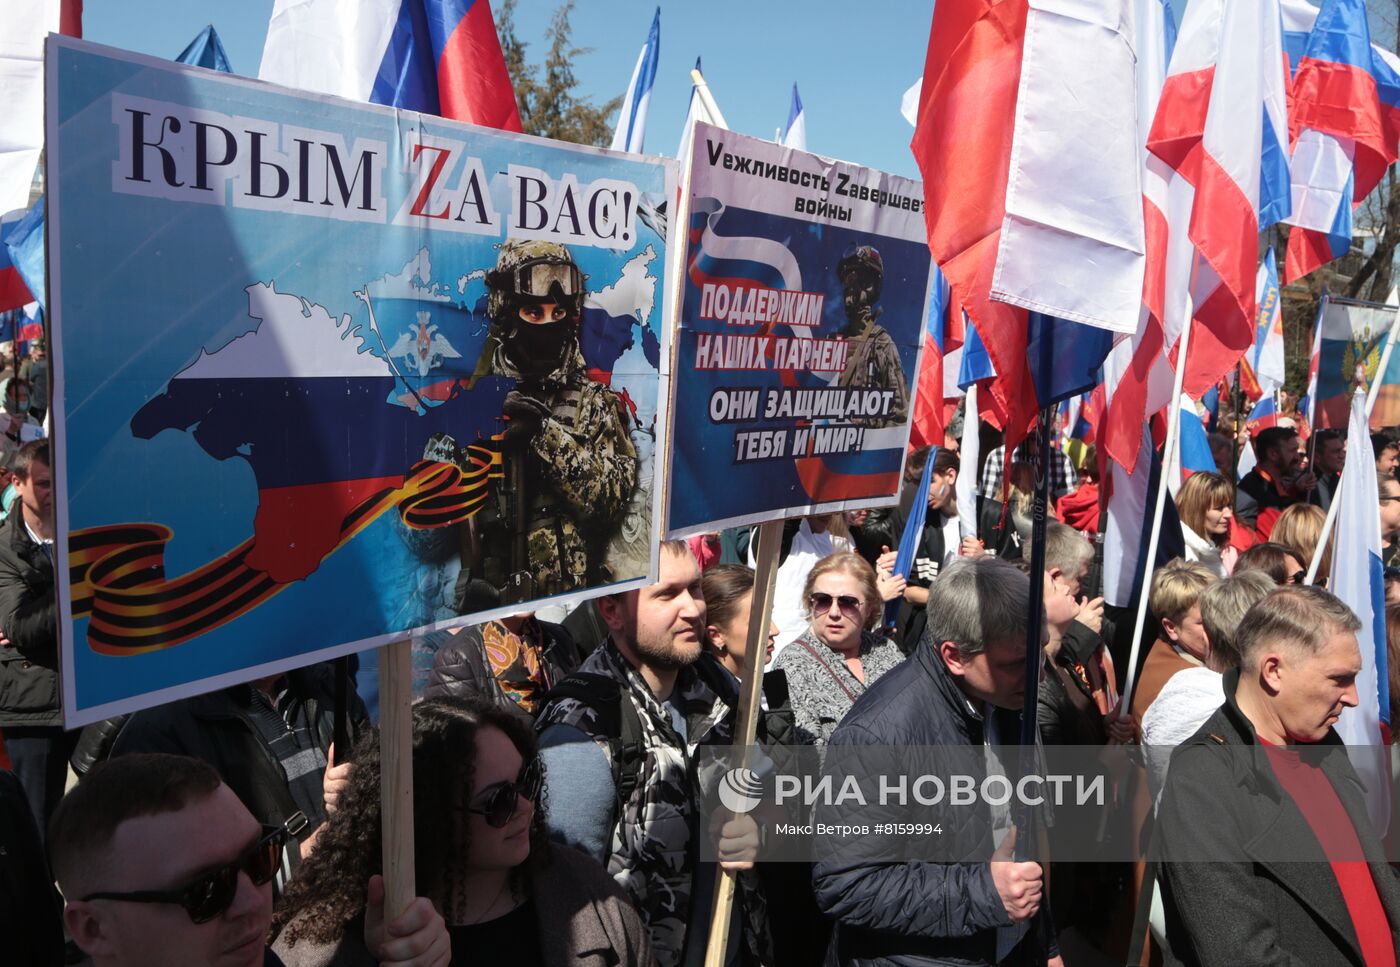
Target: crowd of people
[{"x": 559, "y": 789}]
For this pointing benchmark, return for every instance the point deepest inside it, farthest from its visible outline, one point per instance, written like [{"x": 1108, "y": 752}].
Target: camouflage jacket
[
  {"x": 580, "y": 473},
  {"x": 653, "y": 853},
  {"x": 874, "y": 363}
]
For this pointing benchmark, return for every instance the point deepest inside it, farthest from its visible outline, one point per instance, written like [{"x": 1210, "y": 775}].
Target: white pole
[
  {"x": 1168, "y": 449},
  {"x": 1371, "y": 393},
  {"x": 702, "y": 90}
]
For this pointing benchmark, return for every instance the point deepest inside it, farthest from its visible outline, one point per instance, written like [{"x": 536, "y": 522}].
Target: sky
[{"x": 851, "y": 64}]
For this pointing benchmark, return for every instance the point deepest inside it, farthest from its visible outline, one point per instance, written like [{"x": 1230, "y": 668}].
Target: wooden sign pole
[
  {"x": 770, "y": 542},
  {"x": 396, "y": 776}
]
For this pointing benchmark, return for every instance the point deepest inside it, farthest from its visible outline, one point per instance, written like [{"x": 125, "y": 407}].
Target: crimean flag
[
  {"x": 1217, "y": 174},
  {"x": 1343, "y": 142},
  {"x": 434, "y": 56}
]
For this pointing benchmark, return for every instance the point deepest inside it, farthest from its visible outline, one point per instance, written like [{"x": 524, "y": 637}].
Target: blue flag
[{"x": 206, "y": 51}]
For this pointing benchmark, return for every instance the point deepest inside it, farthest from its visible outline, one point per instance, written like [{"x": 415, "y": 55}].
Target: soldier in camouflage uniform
[
  {"x": 873, "y": 362},
  {"x": 652, "y": 662},
  {"x": 571, "y": 467}
]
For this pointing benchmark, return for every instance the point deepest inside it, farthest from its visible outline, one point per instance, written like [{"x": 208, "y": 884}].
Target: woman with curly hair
[{"x": 480, "y": 853}]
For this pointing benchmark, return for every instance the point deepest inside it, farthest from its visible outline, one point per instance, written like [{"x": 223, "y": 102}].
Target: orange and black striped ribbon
[{"x": 117, "y": 572}]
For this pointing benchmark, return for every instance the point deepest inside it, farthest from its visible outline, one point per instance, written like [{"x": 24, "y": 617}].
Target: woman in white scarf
[{"x": 1206, "y": 505}]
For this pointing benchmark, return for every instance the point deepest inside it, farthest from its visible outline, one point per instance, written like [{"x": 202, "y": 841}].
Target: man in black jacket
[
  {"x": 1267, "y": 852},
  {"x": 269, "y": 740},
  {"x": 960, "y": 688},
  {"x": 30, "y": 717}
]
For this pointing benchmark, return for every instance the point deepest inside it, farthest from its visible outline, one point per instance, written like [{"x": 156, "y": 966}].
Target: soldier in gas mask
[
  {"x": 570, "y": 465},
  {"x": 873, "y": 361}
]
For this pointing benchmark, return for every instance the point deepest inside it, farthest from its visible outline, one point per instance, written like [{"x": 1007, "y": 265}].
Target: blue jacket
[{"x": 917, "y": 912}]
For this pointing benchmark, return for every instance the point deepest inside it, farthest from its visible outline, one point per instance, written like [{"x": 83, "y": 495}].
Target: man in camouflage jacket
[
  {"x": 649, "y": 841},
  {"x": 872, "y": 360},
  {"x": 566, "y": 449}
]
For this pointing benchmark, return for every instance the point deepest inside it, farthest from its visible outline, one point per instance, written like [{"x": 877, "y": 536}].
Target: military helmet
[
  {"x": 533, "y": 271},
  {"x": 862, "y": 261}
]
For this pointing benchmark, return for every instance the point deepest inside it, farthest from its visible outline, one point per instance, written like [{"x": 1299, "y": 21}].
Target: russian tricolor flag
[
  {"x": 941, "y": 336},
  {"x": 1262, "y": 416},
  {"x": 434, "y": 56},
  {"x": 1344, "y": 138},
  {"x": 13, "y": 292}
]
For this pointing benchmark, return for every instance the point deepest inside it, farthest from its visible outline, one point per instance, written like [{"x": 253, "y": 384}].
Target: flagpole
[
  {"x": 1150, "y": 556},
  {"x": 702, "y": 90},
  {"x": 1372, "y": 392}
]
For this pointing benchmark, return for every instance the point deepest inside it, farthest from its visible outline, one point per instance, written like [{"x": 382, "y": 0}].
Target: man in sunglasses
[
  {"x": 161, "y": 865},
  {"x": 571, "y": 466},
  {"x": 872, "y": 361}
]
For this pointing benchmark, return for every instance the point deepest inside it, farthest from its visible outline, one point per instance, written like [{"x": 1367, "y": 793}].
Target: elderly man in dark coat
[{"x": 1267, "y": 852}]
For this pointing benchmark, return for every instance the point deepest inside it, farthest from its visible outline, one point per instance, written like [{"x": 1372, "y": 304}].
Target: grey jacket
[{"x": 1258, "y": 888}]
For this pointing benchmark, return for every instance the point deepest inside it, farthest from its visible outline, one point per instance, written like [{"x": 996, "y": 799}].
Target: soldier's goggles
[
  {"x": 539, "y": 278},
  {"x": 499, "y": 801},
  {"x": 211, "y": 893}
]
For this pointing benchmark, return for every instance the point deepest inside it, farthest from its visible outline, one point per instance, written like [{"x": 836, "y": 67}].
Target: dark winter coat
[
  {"x": 31, "y": 911},
  {"x": 1257, "y": 859},
  {"x": 216, "y": 728},
  {"x": 461, "y": 669},
  {"x": 916, "y": 913},
  {"x": 28, "y": 617}
]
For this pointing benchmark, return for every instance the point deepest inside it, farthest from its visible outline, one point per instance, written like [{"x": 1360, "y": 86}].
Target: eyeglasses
[
  {"x": 211, "y": 893},
  {"x": 848, "y": 603},
  {"x": 499, "y": 802},
  {"x": 1297, "y": 577}
]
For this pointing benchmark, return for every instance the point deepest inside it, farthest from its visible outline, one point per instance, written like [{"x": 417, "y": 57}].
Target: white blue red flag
[
  {"x": 1262, "y": 416},
  {"x": 1193, "y": 456},
  {"x": 13, "y": 292},
  {"x": 631, "y": 130},
  {"x": 1358, "y": 578},
  {"x": 942, "y": 336},
  {"x": 795, "y": 132},
  {"x": 1344, "y": 141},
  {"x": 24, "y": 249},
  {"x": 435, "y": 56}
]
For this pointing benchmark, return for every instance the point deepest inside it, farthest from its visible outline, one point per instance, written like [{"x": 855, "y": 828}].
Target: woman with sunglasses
[
  {"x": 839, "y": 655},
  {"x": 481, "y": 856}
]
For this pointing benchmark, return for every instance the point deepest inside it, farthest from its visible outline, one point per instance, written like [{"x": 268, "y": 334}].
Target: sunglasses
[
  {"x": 848, "y": 603},
  {"x": 1297, "y": 577},
  {"x": 211, "y": 893},
  {"x": 499, "y": 802}
]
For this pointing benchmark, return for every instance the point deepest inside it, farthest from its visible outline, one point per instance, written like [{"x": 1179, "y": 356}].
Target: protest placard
[
  {"x": 802, "y": 311},
  {"x": 328, "y": 373}
]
